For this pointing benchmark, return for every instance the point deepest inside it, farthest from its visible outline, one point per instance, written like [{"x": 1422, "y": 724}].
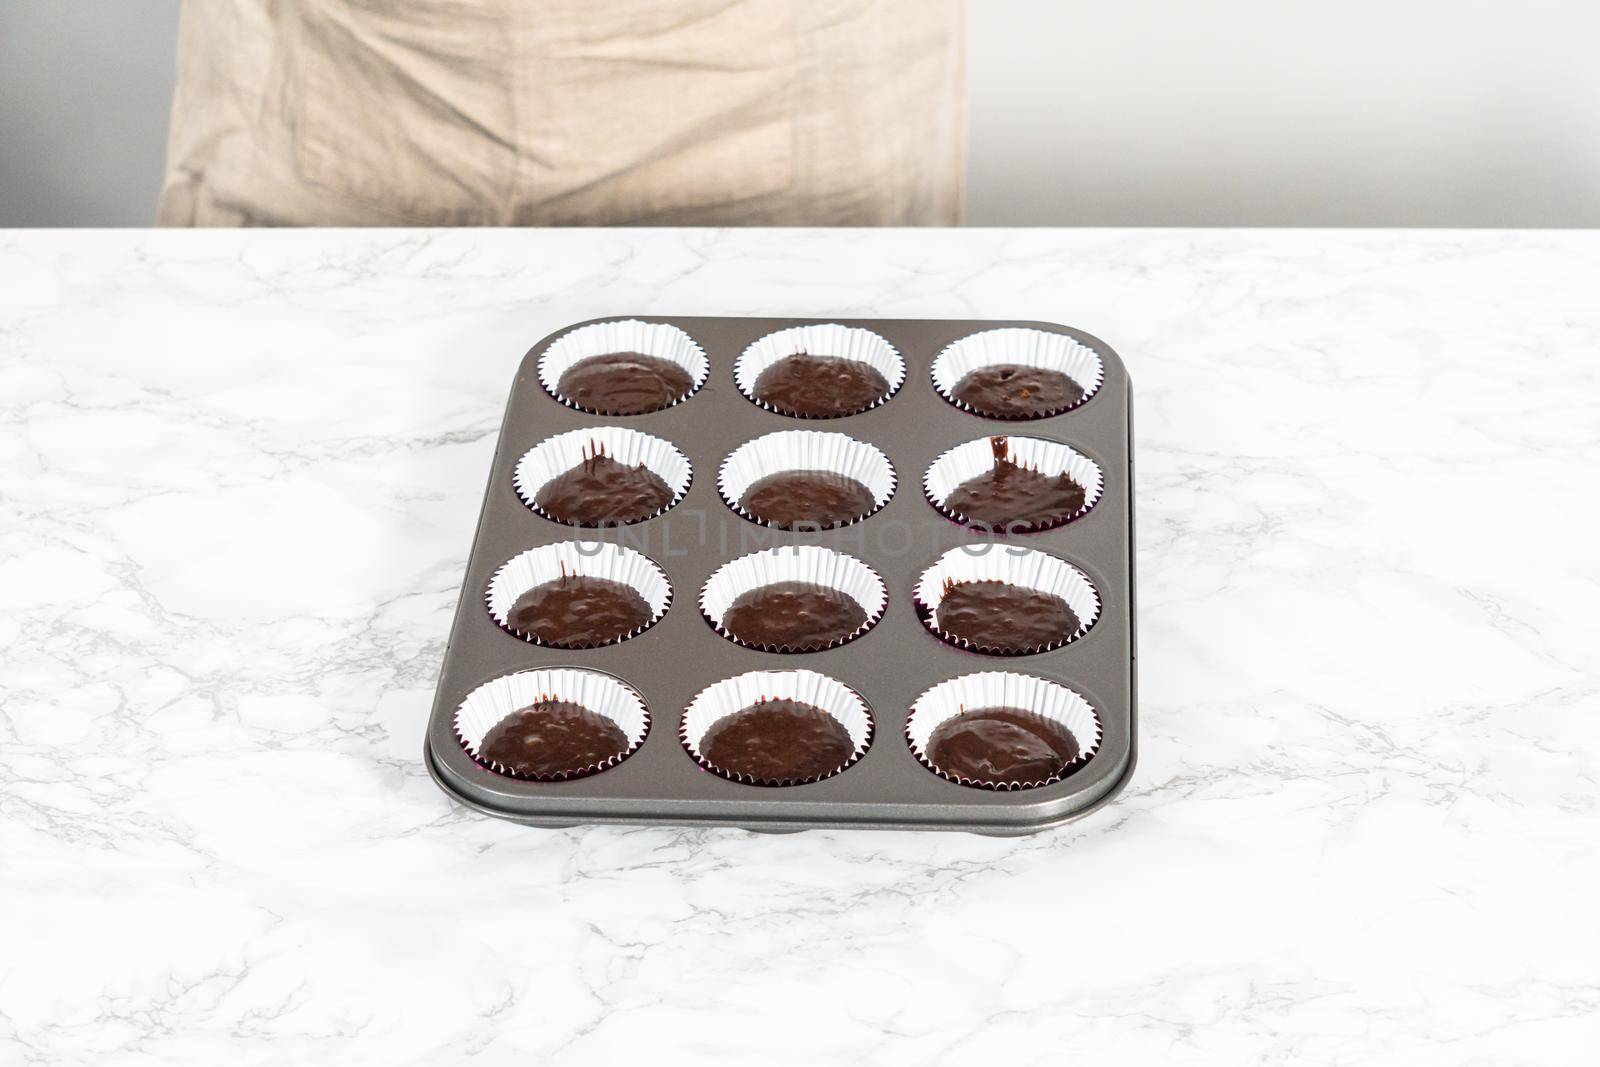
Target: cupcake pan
[{"x": 890, "y": 666}]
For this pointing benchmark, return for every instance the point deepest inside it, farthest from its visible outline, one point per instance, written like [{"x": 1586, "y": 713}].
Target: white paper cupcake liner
[
  {"x": 1029, "y": 348},
  {"x": 965, "y": 462},
  {"x": 1025, "y": 568},
  {"x": 1002, "y": 689},
  {"x": 794, "y": 563},
  {"x": 805, "y": 450},
  {"x": 557, "y": 455},
  {"x": 824, "y": 339},
  {"x": 806, "y": 687},
  {"x": 657, "y": 339},
  {"x": 600, "y": 693},
  {"x": 582, "y": 559}
]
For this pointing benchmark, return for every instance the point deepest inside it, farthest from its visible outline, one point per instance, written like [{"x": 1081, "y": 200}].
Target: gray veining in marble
[{"x": 239, "y": 474}]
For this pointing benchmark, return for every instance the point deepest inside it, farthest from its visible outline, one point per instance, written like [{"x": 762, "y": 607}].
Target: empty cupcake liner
[
  {"x": 1025, "y": 568},
  {"x": 966, "y": 461},
  {"x": 600, "y": 693},
  {"x": 1003, "y": 689},
  {"x": 794, "y": 563},
  {"x": 658, "y": 339},
  {"x": 805, "y": 450},
  {"x": 1029, "y": 348},
  {"x": 585, "y": 559},
  {"x": 825, "y": 339},
  {"x": 806, "y": 687},
  {"x": 556, "y": 455}
]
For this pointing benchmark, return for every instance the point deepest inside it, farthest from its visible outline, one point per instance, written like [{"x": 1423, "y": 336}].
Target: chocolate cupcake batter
[
  {"x": 819, "y": 386},
  {"x": 577, "y": 611},
  {"x": 1014, "y": 391},
  {"x": 1002, "y": 746},
  {"x": 778, "y": 740},
  {"x": 1001, "y": 617},
  {"x": 551, "y": 738},
  {"x": 807, "y": 499},
  {"x": 793, "y": 617},
  {"x": 1009, "y": 496},
  {"x": 624, "y": 383},
  {"x": 600, "y": 490}
]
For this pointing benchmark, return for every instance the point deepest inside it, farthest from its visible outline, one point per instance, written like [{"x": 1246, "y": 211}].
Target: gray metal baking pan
[{"x": 889, "y": 666}]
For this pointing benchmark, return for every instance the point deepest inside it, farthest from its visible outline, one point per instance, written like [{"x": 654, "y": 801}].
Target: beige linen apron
[{"x": 552, "y": 112}]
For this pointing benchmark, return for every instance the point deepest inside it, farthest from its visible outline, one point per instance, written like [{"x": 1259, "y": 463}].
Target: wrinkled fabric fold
[{"x": 567, "y": 112}]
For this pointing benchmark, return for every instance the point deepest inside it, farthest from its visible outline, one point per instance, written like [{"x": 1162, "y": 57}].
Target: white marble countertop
[{"x": 239, "y": 473}]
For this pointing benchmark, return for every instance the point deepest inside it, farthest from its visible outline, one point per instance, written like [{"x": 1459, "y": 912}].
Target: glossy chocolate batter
[
  {"x": 1013, "y": 391},
  {"x": 624, "y": 383},
  {"x": 807, "y": 499},
  {"x": 1002, "y": 746},
  {"x": 775, "y": 740},
  {"x": 1008, "y": 496},
  {"x": 819, "y": 386},
  {"x": 550, "y": 738},
  {"x": 793, "y": 617},
  {"x": 1002, "y": 617},
  {"x": 600, "y": 490},
  {"x": 577, "y": 611}
]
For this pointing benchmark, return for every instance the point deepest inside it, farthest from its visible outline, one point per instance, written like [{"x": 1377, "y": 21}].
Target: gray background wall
[{"x": 1123, "y": 112}]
